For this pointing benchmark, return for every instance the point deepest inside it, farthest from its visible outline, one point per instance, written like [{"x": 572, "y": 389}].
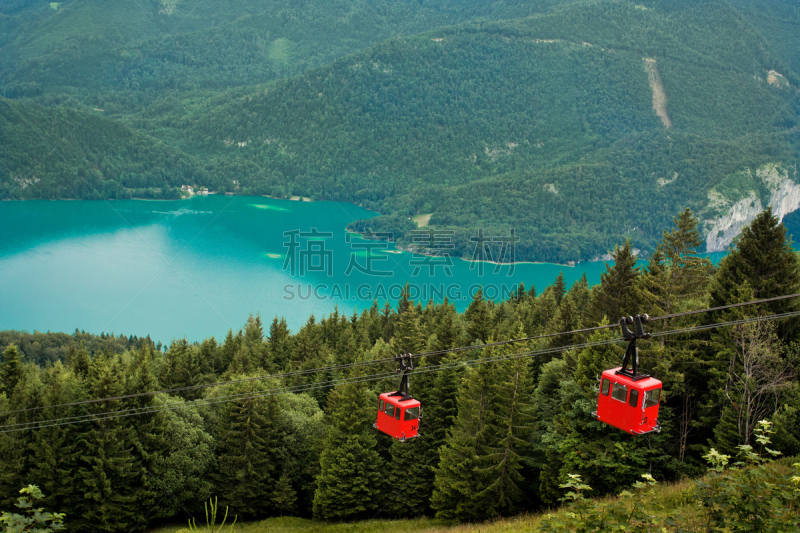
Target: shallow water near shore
[{"x": 196, "y": 268}]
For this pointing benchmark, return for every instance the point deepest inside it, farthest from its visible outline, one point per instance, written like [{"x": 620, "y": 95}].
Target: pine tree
[
  {"x": 107, "y": 473},
  {"x": 559, "y": 288},
  {"x": 407, "y": 335},
  {"x": 654, "y": 284},
  {"x": 349, "y": 481},
  {"x": 207, "y": 359},
  {"x": 147, "y": 429},
  {"x": 405, "y": 302},
  {"x": 55, "y": 450},
  {"x": 726, "y": 433},
  {"x": 458, "y": 481},
  {"x": 687, "y": 274},
  {"x": 387, "y": 322},
  {"x": 544, "y": 309},
  {"x": 13, "y": 448},
  {"x": 618, "y": 294},
  {"x": 408, "y": 476},
  {"x": 456, "y": 478},
  {"x": 284, "y": 497},
  {"x": 174, "y": 366},
  {"x": 254, "y": 344},
  {"x": 479, "y": 320},
  {"x": 228, "y": 351},
  {"x": 509, "y": 423},
  {"x": 80, "y": 362},
  {"x": 448, "y": 330},
  {"x": 580, "y": 296},
  {"x": 567, "y": 318},
  {"x": 762, "y": 265},
  {"x": 764, "y": 261},
  {"x": 10, "y": 370},
  {"x": 247, "y": 433},
  {"x": 279, "y": 341}
]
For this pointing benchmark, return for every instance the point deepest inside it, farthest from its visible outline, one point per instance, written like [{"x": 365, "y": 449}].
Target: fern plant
[
  {"x": 33, "y": 520},
  {"x": 750, "y": 496},
  {"x": 628, "y": 513}
]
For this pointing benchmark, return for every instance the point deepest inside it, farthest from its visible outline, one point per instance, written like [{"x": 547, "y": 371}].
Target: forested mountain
[
  {"x": 253, "y": 420},
  {"x": 544, "y": 122},
  {"x": 63, "y": 153},
  {"x": 140, "y": 50},
  {"x": 577, "y": 123},
  {"x": 779, "y": 22}
]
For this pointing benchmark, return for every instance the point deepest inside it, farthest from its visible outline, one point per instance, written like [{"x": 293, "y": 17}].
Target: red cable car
[
  {"x": 398, "y": 412},
  {"x": 629, "y": 400}
]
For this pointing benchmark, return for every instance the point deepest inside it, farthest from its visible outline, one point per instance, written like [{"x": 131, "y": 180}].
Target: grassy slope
[
  {"x": 674, "y": 500},
  {"x": 674, "y": 496}
]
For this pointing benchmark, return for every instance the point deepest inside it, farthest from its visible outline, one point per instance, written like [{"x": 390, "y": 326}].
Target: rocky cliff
[{"x": 784, "y": 198}]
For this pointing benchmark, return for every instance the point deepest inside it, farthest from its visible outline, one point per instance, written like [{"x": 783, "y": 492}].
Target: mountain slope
[
  {"x": 57, "y": 153},
  {"x": 779, "y": 22},
  {"x": 155, "y": 46},
  {"x": 560, "y": 105}
]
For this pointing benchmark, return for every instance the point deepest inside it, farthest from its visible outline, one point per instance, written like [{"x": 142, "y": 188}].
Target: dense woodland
[
  {"x": 498, "y": 436},
  {"x": 535, "y": 114}
]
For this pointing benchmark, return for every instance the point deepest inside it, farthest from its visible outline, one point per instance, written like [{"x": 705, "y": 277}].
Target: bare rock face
[
  {"x": 728, "y": 226},
  {"x": 784, "y": 199}
]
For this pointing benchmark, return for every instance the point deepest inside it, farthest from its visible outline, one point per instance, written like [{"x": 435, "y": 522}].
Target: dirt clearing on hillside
[{"x": 659, "y": 96}]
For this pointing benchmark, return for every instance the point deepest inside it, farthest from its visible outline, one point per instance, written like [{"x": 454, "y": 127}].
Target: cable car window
[
  {"x": 619, "y": 392},
  {"x": 389, "y": 409},
  {"x": 652, "y": 397},
  {"x": 412, "y": 413},
  {"x": 634, "y": 399},
  {"x": 380, "y": 406},
  {"x": 604, "y": 389},
  {"x": 397, "y": 414}
]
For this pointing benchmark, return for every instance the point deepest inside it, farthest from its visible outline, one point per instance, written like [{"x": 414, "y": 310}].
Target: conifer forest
[{"x": 499, "y": 435}]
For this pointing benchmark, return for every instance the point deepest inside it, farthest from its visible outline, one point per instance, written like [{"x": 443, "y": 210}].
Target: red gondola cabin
[
  {"x": 629, "y": 400},
  {"x": 628, "y": 404},
  {"x": 398, "y": 412},
  {"x": 397, "y": 417}
]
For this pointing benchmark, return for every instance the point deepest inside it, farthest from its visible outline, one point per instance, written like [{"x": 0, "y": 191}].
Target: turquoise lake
[{"x": 196, "y": 268}]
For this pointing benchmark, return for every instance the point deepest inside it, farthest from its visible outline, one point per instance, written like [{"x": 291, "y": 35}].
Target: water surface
[{"x": 196, "y": 268}]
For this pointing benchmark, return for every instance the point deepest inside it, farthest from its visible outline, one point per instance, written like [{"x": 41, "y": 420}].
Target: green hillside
[
  {"x": 779, "y": 22},
  {"x": 156, "y": 46},
  {"x": 671, "y": 505},
  {"x": 61, "y": 153},
  {"x": 546, "y": 122}
]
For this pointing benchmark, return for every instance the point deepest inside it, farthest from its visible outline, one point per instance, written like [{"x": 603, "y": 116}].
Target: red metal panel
[
  {"x": 614, "y": 411},
  {"x": 399, "y": 429}
]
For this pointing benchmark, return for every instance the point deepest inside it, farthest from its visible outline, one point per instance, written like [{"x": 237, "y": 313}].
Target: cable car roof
[
  {"x": 647, "y": 383},
  {"x": 398, "y": 400}
]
